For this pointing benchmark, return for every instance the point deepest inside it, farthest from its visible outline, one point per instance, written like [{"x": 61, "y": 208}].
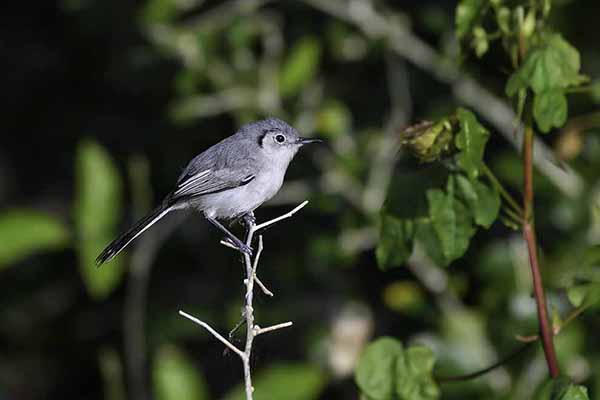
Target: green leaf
[
  {"x": 426, "y": 235},
  {"x": 450, "y": 220},
  {"x": 111, "y": 368},
  {"x": 159, "y": 11},
  {"x": 375, "y": 371},
  {"x": 97, "y": 213},
  {"x": 482, "y": 200},
  {"x": 575, "y": 392},
  {"x": 25, "y": 232},
  {"x": 395, "y": 241},
  {"x": 470, "y": 140},
  {"x": 480, "y": 41},
  {"x": 550, "y": 109},
  {"x": 561, "y": 389},
  {"x": 414, "y": 375},
  {"x": 467, "y": 14},
  {"x": 503, "y": 19},
  {"x": 586, "y": 294},
  {"x": 587, "y": 266},
  {"x": 554, "y": 64},
  {"x": 333, "y": 119},
  {"x": 175, "y": 377},
  {"x": 387, "y": 372},
  {"x": 300, "y": 67},
  {"x": 284, "y": 381}
]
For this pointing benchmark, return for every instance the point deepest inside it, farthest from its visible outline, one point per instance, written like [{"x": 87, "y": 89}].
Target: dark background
[{"x": 77, "y": 70}]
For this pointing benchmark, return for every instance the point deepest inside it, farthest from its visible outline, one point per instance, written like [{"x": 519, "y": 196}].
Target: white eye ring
[{"x": 279, "y": 138}]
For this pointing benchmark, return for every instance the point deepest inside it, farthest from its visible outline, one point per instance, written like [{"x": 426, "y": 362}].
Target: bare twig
[
  {"x": 214, "y": 333},
  {"x": 282, "y": 217},
  {"x": 252, "y": 330},
  {"x": 259, "y": 331},
  {"x": 256, "y": 258}
]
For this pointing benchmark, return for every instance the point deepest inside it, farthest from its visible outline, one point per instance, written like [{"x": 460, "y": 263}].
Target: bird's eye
[{"x": 280, "y": 138}]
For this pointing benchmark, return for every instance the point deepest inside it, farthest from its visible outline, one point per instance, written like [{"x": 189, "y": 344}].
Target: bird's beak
[{"x": 304, "y": 141}]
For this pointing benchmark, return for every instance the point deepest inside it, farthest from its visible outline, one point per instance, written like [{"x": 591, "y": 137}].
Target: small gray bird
[{"x": 227, "y": 181}]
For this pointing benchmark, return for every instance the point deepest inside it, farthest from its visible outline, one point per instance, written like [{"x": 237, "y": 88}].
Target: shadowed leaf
[
  {"x": 97, "y": 213},
  {"x": 175, "y": 377},
  {"x": 24, "y": 232}
]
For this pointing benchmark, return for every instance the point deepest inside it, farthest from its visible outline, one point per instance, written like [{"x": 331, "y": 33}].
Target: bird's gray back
[{"x": 237, "y": 152}]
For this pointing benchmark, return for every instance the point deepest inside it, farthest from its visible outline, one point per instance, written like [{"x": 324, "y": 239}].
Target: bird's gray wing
[
  {"x": 212, "y": 181},
  {"x": 226, "y": 165}
]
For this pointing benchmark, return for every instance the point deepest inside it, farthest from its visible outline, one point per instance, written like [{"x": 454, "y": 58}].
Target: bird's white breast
[{"x": 238, "y": 201}]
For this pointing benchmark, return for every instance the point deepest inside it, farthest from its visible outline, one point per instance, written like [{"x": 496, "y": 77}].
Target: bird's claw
[
  {"x": 245, "y": 248},
  {"x": 241, "y": 246}
]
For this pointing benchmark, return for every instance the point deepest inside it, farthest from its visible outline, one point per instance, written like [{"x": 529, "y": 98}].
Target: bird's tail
[{"x": 124, "y": 239}]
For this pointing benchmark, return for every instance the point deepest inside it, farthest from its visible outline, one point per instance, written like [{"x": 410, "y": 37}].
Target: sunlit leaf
[
  {"x": 403, "y": 296},
  {"x": 483, "y": 201},
  {"x": 25, "y": 232},
  {"x": 561, "y": 389},
  {"x": 450, "y": 220},
  {"x": 333, "y": 119},
  {"x": 550, "y": 109},
  {"x": 300, "y": 66},
  {"x": 284, "y": 381},
  {"x": 585, "y": 294},
  {"x": 470, "y": 140},
  {"x": 467, "y": 13},
  {"x": 386, "y": 371},
  {"x": 480, "y": 42},
  {"x": 375, "y": 371},
  {"x": 575, "y": 392},
  {"x": 428, "y": 238},
  {"x": 97, "y": 214},
  {"x": 395, "y": 241},
  {"x": 175, "y": 377},
  {"x": 414, "y": 375},
  {"x": 552, "y": 65}
]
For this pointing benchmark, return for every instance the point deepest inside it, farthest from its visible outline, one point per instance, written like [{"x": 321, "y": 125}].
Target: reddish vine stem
[{"x": 529, "y": 236}]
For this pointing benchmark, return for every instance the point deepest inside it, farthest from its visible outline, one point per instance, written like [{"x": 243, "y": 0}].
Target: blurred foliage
[
  {"x": 23, "y": 232},
  {"x": 284, "y": 381},
  {"x": 90, "y": 85},
  {"x": 175, "y": 376},
  {"x": 97, "y": 213},
  {"x": 387, "y": 371}
]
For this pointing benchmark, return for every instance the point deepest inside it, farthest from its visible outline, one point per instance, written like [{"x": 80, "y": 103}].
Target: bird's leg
[
  {"x": 249, "y": 219},
  {"x": 237, "y": 242}
]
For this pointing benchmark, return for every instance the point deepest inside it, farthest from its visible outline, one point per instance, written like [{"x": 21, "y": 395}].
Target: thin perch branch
[
  {"x": 250, "y": 278},
  {"x": 259, "y": 331},
  {"x": 214, "y": 333},
  {"x": 284, "y": 216}
]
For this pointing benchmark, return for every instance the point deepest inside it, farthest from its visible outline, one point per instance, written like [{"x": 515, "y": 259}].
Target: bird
[{"x": 228, "y": 181}]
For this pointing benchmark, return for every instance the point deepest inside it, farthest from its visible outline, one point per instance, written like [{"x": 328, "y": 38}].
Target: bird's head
[{"x": 278, "y": 139}]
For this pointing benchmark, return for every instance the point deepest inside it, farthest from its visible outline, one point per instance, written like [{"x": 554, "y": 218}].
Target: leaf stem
[
  {"x": 477, "y": 374},
  {"x": 529, "y": 236},
  {"x": 503, "y": 192}
]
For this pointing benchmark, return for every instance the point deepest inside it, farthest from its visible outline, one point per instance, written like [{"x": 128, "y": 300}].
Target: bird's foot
[{"x": 241, "y": 246}]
